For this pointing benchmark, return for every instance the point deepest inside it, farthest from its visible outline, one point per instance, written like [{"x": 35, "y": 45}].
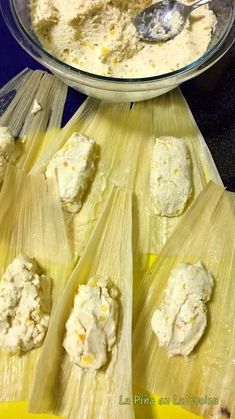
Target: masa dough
[
  {"x": 91, "y": 327},
  {"x": 73, "y": 167},
  {"x": 170, "y": 176},
  {"x": 98, "y": 36},
  {"x": 25, "y": 305},
  {"x": 180, "y": 321}
]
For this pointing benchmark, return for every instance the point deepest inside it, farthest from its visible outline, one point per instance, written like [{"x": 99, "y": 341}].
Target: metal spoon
[{"x": 164, "y": 20}]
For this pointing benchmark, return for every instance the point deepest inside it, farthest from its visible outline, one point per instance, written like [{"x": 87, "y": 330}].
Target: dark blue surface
[
  {"x": 13, "y": 58},
  {"x": 210, "y": 96}
]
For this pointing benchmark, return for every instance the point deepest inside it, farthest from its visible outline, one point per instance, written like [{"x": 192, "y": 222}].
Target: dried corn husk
[
  {"x": 173, "y": 117},
  {"x": 8, "y": 92},
  {"x": 83, "y": 115},
  {"x": 34, "y": 132},
  {"x": 125, "y": 135},
  {"x": 121, "y": 147},
  {"x": 63, "y": 388},
  {"x": 205, "y": 234},
  {"x": 31, "y": 223}
]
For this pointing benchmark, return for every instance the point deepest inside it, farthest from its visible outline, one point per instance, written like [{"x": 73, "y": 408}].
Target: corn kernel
[
  {"x": 105, "y": 51},
  {"x": 88, "y": 359}
]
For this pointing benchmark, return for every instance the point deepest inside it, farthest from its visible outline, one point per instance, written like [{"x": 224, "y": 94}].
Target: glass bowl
[{"x": 17, "y": 17}]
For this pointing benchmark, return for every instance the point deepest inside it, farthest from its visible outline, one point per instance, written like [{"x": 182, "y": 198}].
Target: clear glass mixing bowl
[{"x": 17, "y": 18}]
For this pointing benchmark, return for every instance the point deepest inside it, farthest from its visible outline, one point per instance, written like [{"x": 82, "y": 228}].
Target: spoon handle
[{"x": 200, "y": 3}]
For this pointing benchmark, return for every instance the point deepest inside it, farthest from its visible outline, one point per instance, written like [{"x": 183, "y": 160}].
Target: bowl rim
[{"x": 78, "y": 72}]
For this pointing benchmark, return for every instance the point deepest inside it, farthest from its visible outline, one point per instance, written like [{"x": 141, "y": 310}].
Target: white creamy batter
[
  {"x": 181, "y": 320},
  {"x": 98, "y": 36},
  {"x": 170, "y": 176},
  {"x": 73, "y": 166},
  {"x": 25, "y": 305},
  {"x": 91, "y": 327}
]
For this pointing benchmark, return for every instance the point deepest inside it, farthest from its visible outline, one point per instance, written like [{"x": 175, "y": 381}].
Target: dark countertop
[{"x": 211, "y": 97}]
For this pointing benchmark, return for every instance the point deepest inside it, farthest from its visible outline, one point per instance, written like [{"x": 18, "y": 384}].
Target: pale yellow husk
[
  {"x": 173, "y": 117},
  {"x": 125, "y": 136},
  {"x": 33, "y": 132},
  {"x": 66, "y": 389},
  {"x": 9, "y": 90},
  {"x": 31, "y": 223},
  {"x": 206, "y": 234}
]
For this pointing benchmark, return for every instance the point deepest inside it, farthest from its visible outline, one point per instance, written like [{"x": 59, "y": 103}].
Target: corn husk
[
  {"x": 31, "y": 223},
  {"x": 205, "y": 234},
  {"x": 66, "y": 389},
  {"x": 173, "y": 117},
  {"x": 121, "y": 148},
  {"x": 125, "y": 135},
  {"x": 8, "y": 92},
  {"x": 34, "y": 132},
  {"x": 81, "y": 118}
]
